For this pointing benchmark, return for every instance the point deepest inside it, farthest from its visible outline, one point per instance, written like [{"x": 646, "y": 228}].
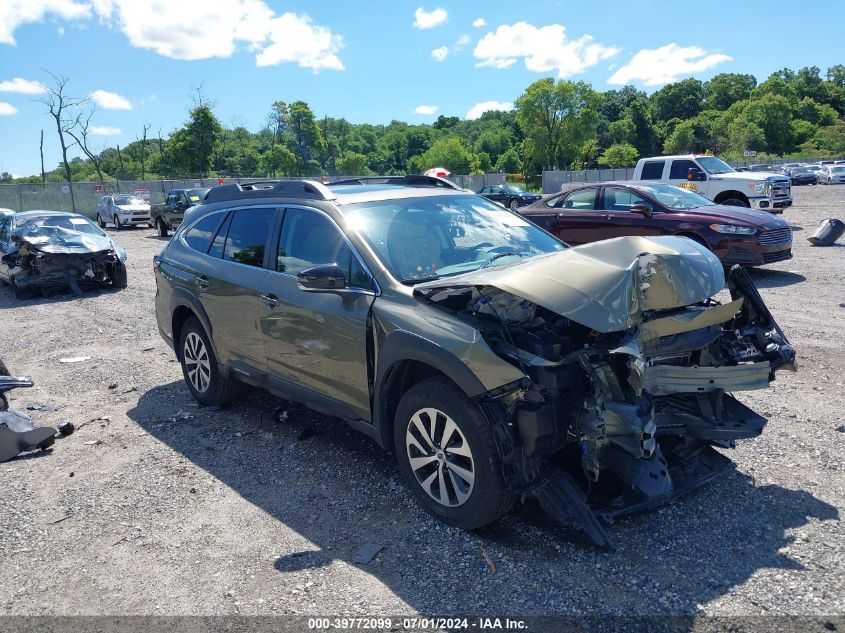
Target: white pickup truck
[{"x": 715, "y": 179}]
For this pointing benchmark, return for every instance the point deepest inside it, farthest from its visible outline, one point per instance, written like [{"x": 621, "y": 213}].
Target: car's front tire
[
  {"x": 117, "y": 223},
  {"x": 447, "y": 455},
  {"x": 162, "y": 228},
  {"x": 100, "y": 221},
  {"x": 514, "y": 205},
  {"x": 200, "y": 369},
  {"x": 119, "y": 278}
]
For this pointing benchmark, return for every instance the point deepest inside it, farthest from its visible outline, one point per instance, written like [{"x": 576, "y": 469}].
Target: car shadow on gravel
[
  {"x": 341, "y": 492},
  {"x": 772, "y": 278},
  {"x": 8, "y": 299}
]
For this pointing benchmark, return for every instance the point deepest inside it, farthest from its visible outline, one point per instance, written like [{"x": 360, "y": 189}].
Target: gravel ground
[{"x": 157, "y": 507}]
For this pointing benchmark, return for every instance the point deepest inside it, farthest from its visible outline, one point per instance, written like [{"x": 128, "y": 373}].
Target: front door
[
  {"x": 678, "y": 171},
  {"x": 620, "y": 220},
  {"x": 317, "y": 340}
]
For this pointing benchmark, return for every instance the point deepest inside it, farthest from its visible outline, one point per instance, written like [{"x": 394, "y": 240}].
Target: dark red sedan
[{"x": 600, "y": 211}]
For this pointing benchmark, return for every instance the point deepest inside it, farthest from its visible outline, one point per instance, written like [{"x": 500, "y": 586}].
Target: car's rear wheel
[
  {"x": 447, "y": 455},
  {"x": 117, "y": 223},
  {"x": 199, "y": 367},
  {"x": 162, "y": 228}
]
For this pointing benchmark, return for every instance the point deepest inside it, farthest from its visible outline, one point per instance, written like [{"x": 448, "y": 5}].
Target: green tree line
[{"x": 553, "y": 125}]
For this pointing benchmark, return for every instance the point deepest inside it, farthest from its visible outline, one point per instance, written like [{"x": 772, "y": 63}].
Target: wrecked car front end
[
  {"x": 628, "y": 368},
  {"x": 46, "y": 258}
]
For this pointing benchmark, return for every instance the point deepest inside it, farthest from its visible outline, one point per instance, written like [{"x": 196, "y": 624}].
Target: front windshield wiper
[{"x": 487, "y": 262}]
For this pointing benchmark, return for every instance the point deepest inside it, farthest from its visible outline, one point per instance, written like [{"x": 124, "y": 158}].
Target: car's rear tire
[
  {"x": 117, "y": 223},
  {"x": 514, "y": 205},
  {"x": 447, "y": 455},
  {"x": 199, "y": 367},
  {"x": 162, "y": 228},
  {"x": 119, "y": 278}
]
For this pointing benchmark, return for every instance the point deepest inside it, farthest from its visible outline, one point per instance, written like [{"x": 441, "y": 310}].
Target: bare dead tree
[
  {"x": 81, "y": 138},
  {"x": 143, "y": 142},
  {"x": 41, "y": 147},
  {"x": 60, "y": 105},
  {"x": 119, "y": 161}
]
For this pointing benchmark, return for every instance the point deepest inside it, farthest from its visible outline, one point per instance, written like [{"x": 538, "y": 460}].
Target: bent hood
[
  {"x": 61, "y": 240},
  {"x": 605, "y": 285}
]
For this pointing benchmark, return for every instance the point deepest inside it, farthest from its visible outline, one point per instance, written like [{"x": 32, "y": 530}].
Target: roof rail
[
  {"x": 411, "y": 180},
  {"x": 306, "y": 189}
]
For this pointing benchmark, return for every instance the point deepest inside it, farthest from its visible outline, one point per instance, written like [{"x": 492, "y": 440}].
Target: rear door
[
  {"x": 317, "y": 340},
  {"x": 228, "y": 279}
]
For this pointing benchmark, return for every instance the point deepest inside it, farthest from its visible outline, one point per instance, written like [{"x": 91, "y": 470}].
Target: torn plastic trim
[{"x": 668, "y": 379}]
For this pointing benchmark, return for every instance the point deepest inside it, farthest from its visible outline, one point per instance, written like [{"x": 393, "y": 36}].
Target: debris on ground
[
  {"x": 40, "y": 406},
  {"x": 17, "y": 433},
  {"x": 827, "y": 232},
  {"x": 489, "y": 560},
  {"x": 66, "y": 427},
  {"x": 93, "y": 443},
  {"x": 74, "y": 359},
  {"x": 180, "y": 416},
  {"x": 367, "y": 552},
  {"x": 282, "y": 416}
]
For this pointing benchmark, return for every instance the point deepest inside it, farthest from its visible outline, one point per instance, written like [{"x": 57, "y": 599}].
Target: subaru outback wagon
[{"x": 491, "y": 358}]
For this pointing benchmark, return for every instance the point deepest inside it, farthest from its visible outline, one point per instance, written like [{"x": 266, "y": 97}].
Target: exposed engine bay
[{"x": 611, "y": 421}]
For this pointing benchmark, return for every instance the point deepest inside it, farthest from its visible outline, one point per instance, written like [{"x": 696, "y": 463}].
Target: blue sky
[{"x": 370, "y": 61}]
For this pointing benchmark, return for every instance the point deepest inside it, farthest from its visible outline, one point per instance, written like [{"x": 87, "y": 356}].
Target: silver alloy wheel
[
  {"x": 514, "y": 205},
  {"x": 440, "y": 457},
  {"x": 197, "y": 365}
]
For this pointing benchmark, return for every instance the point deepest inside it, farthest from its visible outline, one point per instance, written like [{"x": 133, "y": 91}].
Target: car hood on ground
[
  {"x": 59, "y": 240},
  {"x": 605, "y": 285}
]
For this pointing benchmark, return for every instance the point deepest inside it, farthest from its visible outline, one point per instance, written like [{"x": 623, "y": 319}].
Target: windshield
[
  {"x": 713, "y": 165},
  {"x": 124, "y": 200},
  {"x": 676, "y": 197},
  {"x": 37, "y": 224},
  {"x": 420, "y": 239}
]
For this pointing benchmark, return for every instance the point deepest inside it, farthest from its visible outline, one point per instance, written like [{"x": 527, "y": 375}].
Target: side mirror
[
  {"x": 642, "y": 208},
  {"x": 322, "y": 278},
  {"x": 693, "y": 174}
]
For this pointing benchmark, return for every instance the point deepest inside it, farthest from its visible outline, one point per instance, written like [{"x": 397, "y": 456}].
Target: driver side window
[
  {"x": 579, "y": 200},
  {"x": 309, "y": 238},
  {"x": 616, "y": 199}
]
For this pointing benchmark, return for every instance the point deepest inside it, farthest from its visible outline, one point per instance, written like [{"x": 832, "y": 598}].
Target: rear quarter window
[{"x": 652, "y": 170}]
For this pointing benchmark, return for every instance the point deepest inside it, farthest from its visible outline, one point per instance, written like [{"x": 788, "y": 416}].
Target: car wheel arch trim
[{"x": 184, "y": 299}]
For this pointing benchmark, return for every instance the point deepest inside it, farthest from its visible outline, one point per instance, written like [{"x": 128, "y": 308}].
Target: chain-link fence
[
  {"x": 554, "y": 180},
  {"x": 56, "y": 196}
]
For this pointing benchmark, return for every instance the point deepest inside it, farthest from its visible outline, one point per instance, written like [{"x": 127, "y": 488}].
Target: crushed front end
[
  {"x": 44, "y": 263},
  {"x": 606, "y": 423}
]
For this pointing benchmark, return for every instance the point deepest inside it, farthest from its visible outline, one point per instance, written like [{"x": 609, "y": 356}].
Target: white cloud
[
  {"x": 426, "y": 109},
  {"x": 462, "y": 41},
  {"x": 428, "y": 19},
  {"x": 105, "y": 130},
  {"x": 295, "y": 39},
  {"x": 485, "y": 106},
  {"x": 658, "y": 66},
  {"x": 218, "y": 28},
  {"x": 542, "y": 48},
  {"x": 479, "y": 23},
  {"x": 110, "y": 100},
  {"x": 440, "y": 53},
  {"x": 14, "y": 13},
  {"x": 7, "y": 109},
  {"x": 23, "y": 86}
]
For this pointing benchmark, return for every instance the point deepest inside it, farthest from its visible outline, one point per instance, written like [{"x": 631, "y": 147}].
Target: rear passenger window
[
  {"x": 580, "y": 200},
  {"x": 653, "y": 170},
  {"x": 680, "y": 169},
  {"x": 248, "y": 233},
  {"x": 199, "y": 236}
]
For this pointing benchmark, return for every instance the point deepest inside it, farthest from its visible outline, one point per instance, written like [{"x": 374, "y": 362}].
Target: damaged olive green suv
[{"x": 494, "y": 360}]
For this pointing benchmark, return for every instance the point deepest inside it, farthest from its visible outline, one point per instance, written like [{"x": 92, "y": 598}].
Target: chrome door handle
[
  {"x": 271, "y": 300},
  {"x": 202, "y": 281}
]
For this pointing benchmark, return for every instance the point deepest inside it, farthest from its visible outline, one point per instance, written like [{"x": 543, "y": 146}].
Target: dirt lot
[{"x": 157, "y": 507}]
